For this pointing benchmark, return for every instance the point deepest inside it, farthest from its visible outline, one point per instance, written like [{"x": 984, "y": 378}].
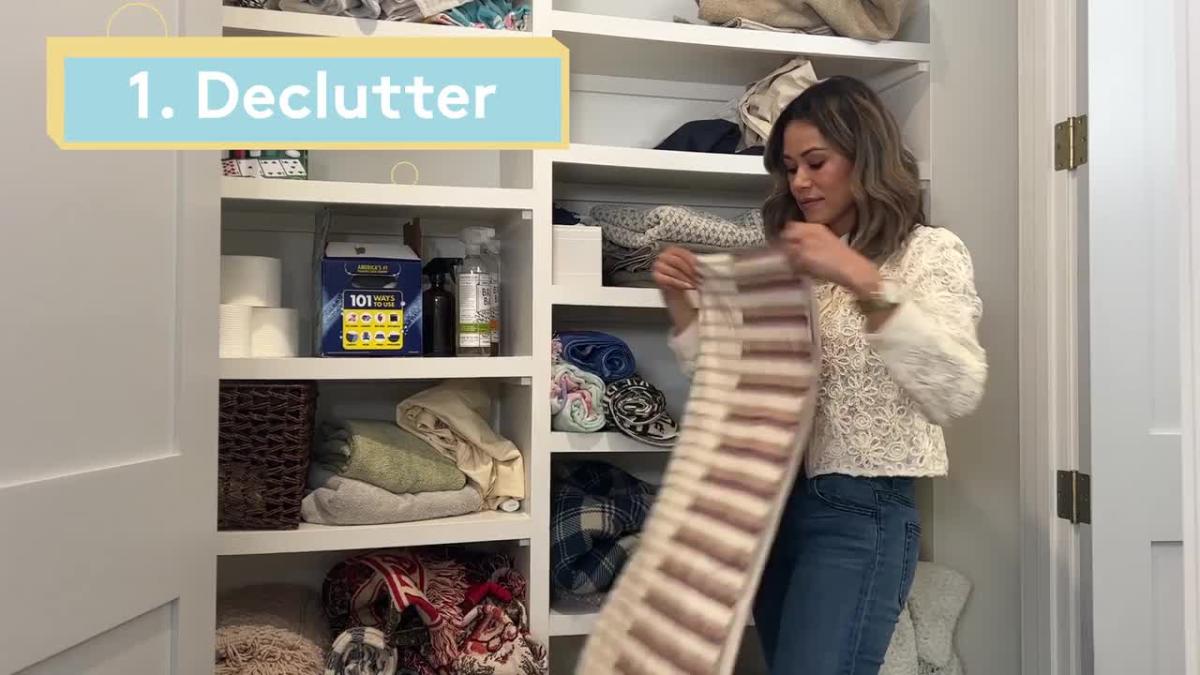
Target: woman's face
[{"x": 819, "y": 177}]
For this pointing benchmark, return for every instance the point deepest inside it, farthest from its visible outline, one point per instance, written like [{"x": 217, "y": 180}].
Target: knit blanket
[
  {"x": 576, "y": 400},
  {"x": 596, "y": 514},
  {"x": 273, "y": 629},
  {"x": 337, "y": 500},
  {"x": 598, "y": 353},
  {"x": 452, "y": 417},
  {"x": 361, "y": 651},
  {"x": 685, "y": 594},
  {"x": 862, "y": 19},
  {"x": 382, "y": 454},
  {"x": 638, "y": 409},
  {"x": 635, "y": 228}
]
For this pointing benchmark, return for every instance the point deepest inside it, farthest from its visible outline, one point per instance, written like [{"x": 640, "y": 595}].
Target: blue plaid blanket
[{"x": 597, "y": 512}]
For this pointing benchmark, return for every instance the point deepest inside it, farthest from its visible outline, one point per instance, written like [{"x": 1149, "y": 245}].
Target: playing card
[
  {"x": 271, "y": 168},
  {"x": 230, "y": 167},
  {"x": 293, "y": 167},
  {"x": 250, "y": 168}
]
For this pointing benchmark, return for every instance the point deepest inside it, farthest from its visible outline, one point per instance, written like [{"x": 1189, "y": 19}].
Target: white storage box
[{"x": 577, "y": 256}]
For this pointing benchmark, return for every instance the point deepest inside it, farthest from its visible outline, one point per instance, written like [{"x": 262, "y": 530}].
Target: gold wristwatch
[{"x": 886, "y": 297}]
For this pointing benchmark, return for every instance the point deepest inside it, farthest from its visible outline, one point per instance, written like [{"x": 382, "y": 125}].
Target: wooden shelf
[
  {"x": 239, "y": 21},
  {"x": 273, "y": 194},
  {"x": 377, "y": 368},
  {"x": 664, "y": 50},
  {"x": 485, "y": 526},
  {"x": 562, "y": 442}
]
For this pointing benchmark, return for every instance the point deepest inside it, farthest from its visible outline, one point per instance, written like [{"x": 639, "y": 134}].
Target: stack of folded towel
[
  {"x": 594, "y": 386},
  {"x": 368, "y": 472},
  {"x": 633, "y": 237}
]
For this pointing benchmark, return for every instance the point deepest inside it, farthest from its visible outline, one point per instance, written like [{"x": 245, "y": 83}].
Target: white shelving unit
[
  {"x": 376, "y": 368},
  {"x": 476, "y": 527},
  {"x": 606, "y": 443},
  {"x": 636, "y": 76}
]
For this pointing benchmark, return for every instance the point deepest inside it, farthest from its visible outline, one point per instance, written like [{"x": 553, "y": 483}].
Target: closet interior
[{"x": 639, "y": 72}]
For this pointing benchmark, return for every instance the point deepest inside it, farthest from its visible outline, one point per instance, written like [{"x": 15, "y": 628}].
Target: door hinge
[
  {"x": 1071, "y": 143},
  {"x": 1075, "y": 496}
]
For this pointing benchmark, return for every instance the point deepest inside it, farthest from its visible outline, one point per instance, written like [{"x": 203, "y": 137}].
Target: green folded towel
[{"x": 386, "y": 456}]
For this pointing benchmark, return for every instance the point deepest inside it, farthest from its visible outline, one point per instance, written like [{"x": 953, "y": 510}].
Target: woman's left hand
[{"x": 815, "y": 250}]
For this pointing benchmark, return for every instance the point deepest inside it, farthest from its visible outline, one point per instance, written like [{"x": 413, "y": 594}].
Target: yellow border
[{"x": 58, "y": 49}]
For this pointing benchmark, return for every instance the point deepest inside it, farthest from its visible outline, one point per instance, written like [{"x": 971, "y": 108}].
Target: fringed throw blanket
[
  {"x": 272, "y": 629},
  {"x": 596, "y": 515},
  {"x": 682, "y": 600}
]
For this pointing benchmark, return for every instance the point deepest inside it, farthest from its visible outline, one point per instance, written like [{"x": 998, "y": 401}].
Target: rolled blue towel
[{"x": 598, "y": 353}]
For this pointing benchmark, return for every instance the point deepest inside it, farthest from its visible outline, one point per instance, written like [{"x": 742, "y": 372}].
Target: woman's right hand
[{"x": 675, "y": 270}]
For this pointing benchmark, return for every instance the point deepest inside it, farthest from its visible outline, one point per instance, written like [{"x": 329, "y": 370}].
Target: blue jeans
[{"x": 838, "y": 574}]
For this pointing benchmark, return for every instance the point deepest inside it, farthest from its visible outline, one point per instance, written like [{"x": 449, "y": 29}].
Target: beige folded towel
[
  {"x": 863, "y": 19},
  {"x": 272, "y": 629},
  {"x": 452, "y": 418}
]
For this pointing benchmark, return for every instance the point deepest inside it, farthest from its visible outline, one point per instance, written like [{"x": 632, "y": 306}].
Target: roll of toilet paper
[
  {"x": 274, "y": 332},
  {"x": 235, "y": 331},
  {"x": 251, "y": 280}
]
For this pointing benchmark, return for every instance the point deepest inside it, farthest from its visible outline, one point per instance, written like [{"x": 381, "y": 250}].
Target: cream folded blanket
[{"x": 452, "y": 417}]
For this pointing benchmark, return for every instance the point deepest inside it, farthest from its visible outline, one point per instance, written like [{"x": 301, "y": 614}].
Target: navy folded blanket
[{"x": 607, "y": 356}]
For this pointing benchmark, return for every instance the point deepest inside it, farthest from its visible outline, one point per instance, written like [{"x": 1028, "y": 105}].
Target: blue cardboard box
[{"x": 370, "y": 300}]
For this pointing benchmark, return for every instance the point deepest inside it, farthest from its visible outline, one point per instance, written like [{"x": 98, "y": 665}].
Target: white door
[
  {"x": 108, "y": 265},
  {"x": 1133, "y": 250}
]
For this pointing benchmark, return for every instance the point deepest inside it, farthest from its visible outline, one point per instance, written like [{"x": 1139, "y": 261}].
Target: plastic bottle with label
[
  {"x": 474, "y": 290},
  {"x": 492, "y": 248}
]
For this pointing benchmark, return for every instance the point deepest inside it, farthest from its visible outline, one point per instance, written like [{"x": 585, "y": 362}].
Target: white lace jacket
[{"x": 884, "y": 396}]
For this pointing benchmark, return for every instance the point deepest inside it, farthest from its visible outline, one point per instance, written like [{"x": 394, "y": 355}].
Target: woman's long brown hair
[{"x": 886, "y": 183}]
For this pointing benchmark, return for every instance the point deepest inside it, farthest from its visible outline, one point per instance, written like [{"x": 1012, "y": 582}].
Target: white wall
[{"x": 974, "y": 152}]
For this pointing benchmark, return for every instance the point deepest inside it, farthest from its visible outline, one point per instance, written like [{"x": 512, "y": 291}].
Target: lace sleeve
[
  {"x": 686, "y": 346},
  {"x": 929, "y": 344}
]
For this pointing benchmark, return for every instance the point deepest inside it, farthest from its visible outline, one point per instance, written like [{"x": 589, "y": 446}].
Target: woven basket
[{"x": 266, "y": 431}]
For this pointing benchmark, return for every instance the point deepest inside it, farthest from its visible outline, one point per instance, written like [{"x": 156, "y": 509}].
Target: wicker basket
[{"x": 266, "y": 431}]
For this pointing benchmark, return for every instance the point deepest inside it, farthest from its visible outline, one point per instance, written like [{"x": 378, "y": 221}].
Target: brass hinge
[
  {"x": 1075, "y": 496},
  {"x": 1071, "y": 143}
]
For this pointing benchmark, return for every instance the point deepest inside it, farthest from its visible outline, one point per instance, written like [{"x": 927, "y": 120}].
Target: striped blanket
[{"x": 683, "y": 598}]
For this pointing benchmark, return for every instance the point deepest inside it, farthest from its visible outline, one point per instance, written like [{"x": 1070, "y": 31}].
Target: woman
[{"x": 897, "y": 313}]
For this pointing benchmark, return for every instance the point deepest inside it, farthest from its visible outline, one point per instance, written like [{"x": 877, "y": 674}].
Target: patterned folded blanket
[
  {"x": 598, "y": 353},
  {"x": 382, "y": 454},
  {"x": 638, "y": 409},
  {"x": 576, "y": 400},
  {"x": 597, "y": 512},
  {"x": 635, "y": 228}
]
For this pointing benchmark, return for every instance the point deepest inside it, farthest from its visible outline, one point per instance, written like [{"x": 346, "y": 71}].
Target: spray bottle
[
  {"x": 437, "y": 309},
  {"x": 474, "y": 282}
]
